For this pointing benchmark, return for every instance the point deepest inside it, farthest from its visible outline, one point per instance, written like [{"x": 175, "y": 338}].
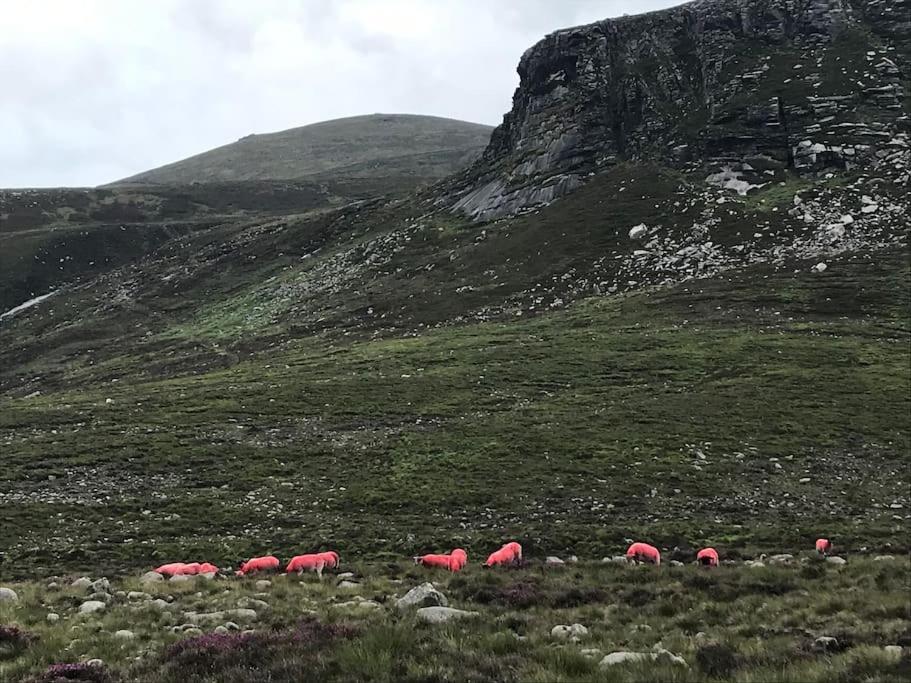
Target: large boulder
[
  {"x": 91, "y": 606},
  {"x": 424, "y": 595},
  {"x": 82, "y": 583},
  {"x": 8, "y": 595},
  {"x": 440, "y": 615}
]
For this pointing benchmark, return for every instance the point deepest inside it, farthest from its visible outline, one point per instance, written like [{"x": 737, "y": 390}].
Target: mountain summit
[{"x": 358, "y": 146}]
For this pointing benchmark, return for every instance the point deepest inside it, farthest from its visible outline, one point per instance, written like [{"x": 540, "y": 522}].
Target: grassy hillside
[
  {"x": 735, "y": 411},
  {"x": 359, "y": 146}
]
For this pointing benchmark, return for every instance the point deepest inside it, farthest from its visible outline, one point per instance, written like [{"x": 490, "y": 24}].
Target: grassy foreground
[{"x": 736, "y": 623}]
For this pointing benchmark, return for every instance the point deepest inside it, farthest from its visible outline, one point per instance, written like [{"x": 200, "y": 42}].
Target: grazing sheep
[
  {"x": 259, "y": 564},
  {"x": 171, "y": 569},
  {"x": 707, "y": 557},
  {"x": 458, "y": 559},
  {"x": 312, "y": 562},
  {"x": 502, "y": 557},
  {"x": 824, "y": 546},
  {"x": 332, "y": 559},
  {"x": 454, "y": 561},
  {"x": 434, "y": 560},
  {"x": 515, "y": 549},
  {"x": 643, "y": 552}
]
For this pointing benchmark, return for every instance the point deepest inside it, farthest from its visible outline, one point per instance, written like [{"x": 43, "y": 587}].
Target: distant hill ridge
[{"x": 357, "y": 146}]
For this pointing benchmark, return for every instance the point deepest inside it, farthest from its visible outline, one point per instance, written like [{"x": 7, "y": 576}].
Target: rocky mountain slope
[
  {"x": 705, "y": 340},
  {"x": 381, "y": 145},
  {"x": 752, "y": 88}
]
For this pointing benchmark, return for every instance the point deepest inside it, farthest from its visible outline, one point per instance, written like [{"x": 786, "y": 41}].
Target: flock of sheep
[{"x": 509, "y": 554}]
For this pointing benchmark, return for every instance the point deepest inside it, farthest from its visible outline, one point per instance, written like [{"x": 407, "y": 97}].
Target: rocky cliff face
[{"x": 745, "y": 87}]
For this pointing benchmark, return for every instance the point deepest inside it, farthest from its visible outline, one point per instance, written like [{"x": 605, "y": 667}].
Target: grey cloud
[{"x": 101, "y": 89}]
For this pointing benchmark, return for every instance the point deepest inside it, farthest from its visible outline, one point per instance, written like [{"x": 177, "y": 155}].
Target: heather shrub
[
  {"x": 82, "y": 672},
  {"x": 14, "y": 641}
]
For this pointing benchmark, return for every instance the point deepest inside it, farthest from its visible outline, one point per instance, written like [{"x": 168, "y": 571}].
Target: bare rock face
[{"x": 747, "y": 85}]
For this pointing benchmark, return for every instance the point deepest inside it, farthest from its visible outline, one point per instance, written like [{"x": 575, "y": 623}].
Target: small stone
[
  {"x": 574, "y": 632},
  {"x": 359, "y": 605},
  {"x": 102, "y": 585},
  {"x": 97, "y": 663},
  {"x": 349, "y": 586},
  {"x": 554, "y": 561},
  {"x": 819, "y": 268},
  {"x": 825, "y": 644},
  {"x": 638, "y": 232},
  {"x": 884, "y": 558},
  {"x": 262, "y": 584},
  {"x": 106, "y": 598},
  {"x": 893, "y": 650},
  {"x": 675, "y": 563},
  {"x": 615, "y": 658},
  {"x": 781, "y": 559},
  {"x": 221, "y": 630},
  {"x": 253, "y": 603},
  {"x": 150, "y": 577},
  {"x": 124, "y": 634},
  {"x": 180, "y": 578},
  {"x": 52, "y": 618},
  {"x": 138, "y": 595},
  {"x": 8, "y": 595},
  {"x": 82, "y": 582},
  {"x": 241, "y": 614},
  {"x": 616, "y": 559},
  {"x": 836, "y": 560},
  {"x": 158, "y": 603},
  {"x": 345, "y": 575},
  {"x": 439, "y": 614},
  {"x": 591, "y": 653}
]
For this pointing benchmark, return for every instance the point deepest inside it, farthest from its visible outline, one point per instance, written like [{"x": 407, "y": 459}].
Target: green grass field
[{"x": 735, "y": 623}]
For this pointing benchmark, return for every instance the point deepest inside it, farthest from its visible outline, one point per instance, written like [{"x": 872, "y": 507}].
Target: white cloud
[{"x": 94, "y": 90}]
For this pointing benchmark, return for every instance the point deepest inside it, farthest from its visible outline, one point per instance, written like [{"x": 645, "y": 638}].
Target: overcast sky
[{"x": 95, "y": 90}]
